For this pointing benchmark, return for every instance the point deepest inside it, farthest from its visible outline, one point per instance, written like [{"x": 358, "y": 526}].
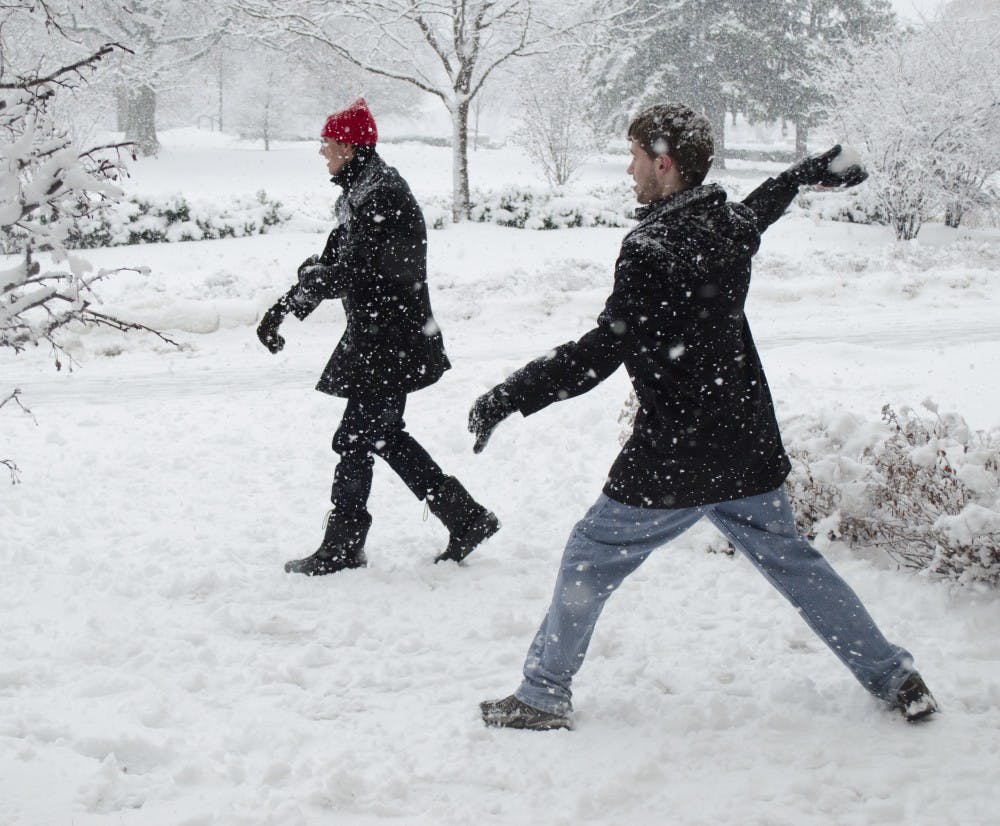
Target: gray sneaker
[
  {"x": 914, "y": 700},
  {"x": 512, "y": 713}
]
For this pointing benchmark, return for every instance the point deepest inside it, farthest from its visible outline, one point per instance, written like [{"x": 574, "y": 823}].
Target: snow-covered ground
[{"x": 157, "y": 667}]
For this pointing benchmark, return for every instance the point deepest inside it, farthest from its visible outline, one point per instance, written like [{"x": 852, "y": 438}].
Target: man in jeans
[
  {"x": 705, "y": 442},
  {"x": 375, "y": 262}
]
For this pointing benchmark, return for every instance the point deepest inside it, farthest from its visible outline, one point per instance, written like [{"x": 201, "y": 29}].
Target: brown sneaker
[
  {"x": 914, "y": 700},
  {"x": 512, "y": 713}
]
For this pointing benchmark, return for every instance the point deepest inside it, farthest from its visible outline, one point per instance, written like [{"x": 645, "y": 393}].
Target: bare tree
[
  {"x": 554, "y": 112},
  {"x": 446, "y": 48},
  {"x": 163, "y": 36}
]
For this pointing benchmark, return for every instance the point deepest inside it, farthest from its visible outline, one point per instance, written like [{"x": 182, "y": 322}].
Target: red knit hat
[{"x": 354, "y": 125}]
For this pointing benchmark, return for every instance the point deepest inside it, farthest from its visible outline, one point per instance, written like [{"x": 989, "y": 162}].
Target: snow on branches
[
  {"x": 47, "y": 186},
  {"x": 924, "y": 106}
]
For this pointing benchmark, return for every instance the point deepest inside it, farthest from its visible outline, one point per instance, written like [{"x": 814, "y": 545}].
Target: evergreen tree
[
  {"x": 760, "y": 58},
  {"x": 797, "y": 41}
]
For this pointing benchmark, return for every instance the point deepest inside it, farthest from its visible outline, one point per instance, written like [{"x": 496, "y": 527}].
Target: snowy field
[{"x": 157, "y": 667}]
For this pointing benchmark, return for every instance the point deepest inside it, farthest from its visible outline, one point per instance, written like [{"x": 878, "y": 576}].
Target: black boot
[
  {"x": 914, "y": 700},
  {"x": 468, "y": 522},
  {"x": 343, "y": 546}
]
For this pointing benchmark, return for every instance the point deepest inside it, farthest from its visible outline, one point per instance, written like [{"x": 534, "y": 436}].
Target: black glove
[
  {"x": 311, "y": 261},
  {"x": 313, "y": 274},
  {"x": 488, "y": 411},
  {"x": 815, "y": 171},
  {"x": 267, "y": 330}
]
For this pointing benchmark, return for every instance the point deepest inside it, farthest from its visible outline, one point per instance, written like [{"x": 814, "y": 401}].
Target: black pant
[{"x": 372, "y": 426}]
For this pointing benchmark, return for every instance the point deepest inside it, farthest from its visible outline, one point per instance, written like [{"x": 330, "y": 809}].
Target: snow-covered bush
[
  {"x": 147, "y": 221},
  {"x": 541, "y": 209},
  {"x": 924, "y": 490},
  {"x": 555, "y": 128},
  {"x": 925, "y": 108},
  {"x": 48, "y": 186}
]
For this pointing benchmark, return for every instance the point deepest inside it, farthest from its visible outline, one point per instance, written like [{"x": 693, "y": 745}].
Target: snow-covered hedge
[
  {"x": 144, "y": 220},
  {"x": 148, "y": 221},
  {"x": 923, "y": 489},
  {"x": 542, "y": 209}
]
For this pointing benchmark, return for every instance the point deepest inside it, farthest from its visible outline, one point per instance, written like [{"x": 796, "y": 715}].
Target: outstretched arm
[
  {"x": 575, "y": 367},
  {"x": 569, "y": 370},
  {"x": 834, "y": 168}
]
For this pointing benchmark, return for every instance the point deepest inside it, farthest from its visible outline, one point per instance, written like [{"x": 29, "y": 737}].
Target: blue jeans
[{"x": 613, "y": 539}]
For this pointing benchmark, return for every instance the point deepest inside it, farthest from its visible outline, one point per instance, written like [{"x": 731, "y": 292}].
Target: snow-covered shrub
[
  {"x": 148, "y": 221},
  {"x": 555, "y": 128},
  {"x": 924, "y": 490},
  {"x": 924, "y": 106},
  {"x": 530, "y": 209},
  {"x": 48, "y": 187},
  {"x": 851, "y": 206}
]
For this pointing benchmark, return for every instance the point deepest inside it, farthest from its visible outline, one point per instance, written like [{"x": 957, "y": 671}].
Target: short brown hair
[{"x": 678, "y": 131}]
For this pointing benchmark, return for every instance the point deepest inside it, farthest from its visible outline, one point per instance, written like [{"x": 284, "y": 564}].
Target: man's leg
[
  {"x": 348, "y": 521},
  {"x": 608, "y": 544},
  {"x": 404, "y": 454},
  {"x": 468, "y": 522},
  {"x": 763, "y": 528}
]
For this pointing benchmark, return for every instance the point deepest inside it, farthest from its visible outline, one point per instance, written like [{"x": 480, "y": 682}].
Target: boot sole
[
  {"x": 475, "y": 537},
  {"x": 292, "y": 568}
]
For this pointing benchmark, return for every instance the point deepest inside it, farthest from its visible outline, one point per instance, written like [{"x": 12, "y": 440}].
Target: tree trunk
[
  {"x": 801, "y": 136},
  {"x": 460, "y": 161},
  {"x": 266, "y": 126},
  {"x": 953, "y": 214},
  {"x": 121, "y": 108},
  {"x": 221, "y": 78},
  {"x": 141, "y": 126},
  {"x": 907, "y": 225}
]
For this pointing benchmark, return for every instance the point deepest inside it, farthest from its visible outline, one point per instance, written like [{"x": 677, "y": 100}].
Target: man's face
[
  {"x": 643, "y": 169},
  {"x": 337, "y": 154}
]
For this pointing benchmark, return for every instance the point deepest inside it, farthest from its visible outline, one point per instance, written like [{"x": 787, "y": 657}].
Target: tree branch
[{"x": 55, "y": 77}]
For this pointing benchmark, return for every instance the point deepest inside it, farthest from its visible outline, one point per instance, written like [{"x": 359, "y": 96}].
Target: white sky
[{"x": 915, "y": 9}]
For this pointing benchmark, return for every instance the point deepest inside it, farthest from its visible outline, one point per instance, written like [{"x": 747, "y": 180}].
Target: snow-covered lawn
[{"x": 157, "y": 667}]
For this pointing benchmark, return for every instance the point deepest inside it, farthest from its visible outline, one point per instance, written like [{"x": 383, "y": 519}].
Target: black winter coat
[
  {"x": 375, "y": 261},
  {"x": 705, "y": 429}
]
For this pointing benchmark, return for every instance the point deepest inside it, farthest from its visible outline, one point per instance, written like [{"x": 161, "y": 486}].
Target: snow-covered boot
[
  {"x": 914, "y": 700},
  {"x": 468, "y": 522},
  {"x": 510, "y": 712},
  {"x": 343, "y": 546}
]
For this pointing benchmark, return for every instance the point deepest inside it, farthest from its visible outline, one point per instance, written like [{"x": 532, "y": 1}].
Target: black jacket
[
  {"x": 375, "y": 261},
  {"x": 705, "y": 430}
]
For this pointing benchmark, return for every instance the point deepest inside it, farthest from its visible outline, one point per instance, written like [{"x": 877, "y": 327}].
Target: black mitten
[
  {"x": 267, "y": 330},
  {"x": 311, "y": 261},
  {"x": 487, "y": 412},
  {"x": 826, "y": 170}
]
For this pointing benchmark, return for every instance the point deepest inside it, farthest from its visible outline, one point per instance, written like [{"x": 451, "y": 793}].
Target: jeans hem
[{"x": 559, "y": 707}]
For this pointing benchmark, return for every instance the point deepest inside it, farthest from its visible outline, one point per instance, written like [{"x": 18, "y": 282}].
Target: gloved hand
[
  {"x": 267, "y": 330},
  {"x": 487, "y": 412},
  {"x": 312, "y": 277},
  {"x": 828, "y": 169},
  {"x": 311, "y": 261}
]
